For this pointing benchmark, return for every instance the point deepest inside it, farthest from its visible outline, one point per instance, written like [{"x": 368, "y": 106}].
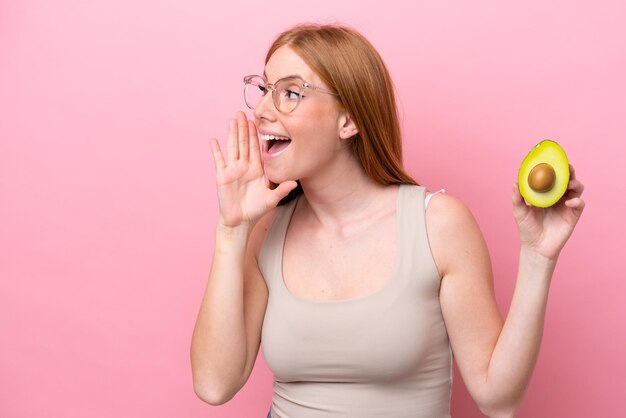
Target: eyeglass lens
[{"x": 286, "y": 93}]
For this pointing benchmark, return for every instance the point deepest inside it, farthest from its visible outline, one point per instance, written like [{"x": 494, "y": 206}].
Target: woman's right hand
[{"x": 241, "y": 187}]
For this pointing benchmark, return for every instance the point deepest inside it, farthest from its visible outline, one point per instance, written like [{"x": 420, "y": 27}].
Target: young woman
[{"x": 360, "y": 284}]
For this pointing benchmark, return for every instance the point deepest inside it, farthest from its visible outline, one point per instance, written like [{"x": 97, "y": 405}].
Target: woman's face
[{"x": 312, "y": 129}]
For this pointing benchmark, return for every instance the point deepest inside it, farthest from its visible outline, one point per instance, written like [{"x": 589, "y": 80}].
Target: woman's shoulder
[
  {"x": 446, "y": 203},
  {"x": 445, "y": 212},
  {"x": 451, "y": 228}
]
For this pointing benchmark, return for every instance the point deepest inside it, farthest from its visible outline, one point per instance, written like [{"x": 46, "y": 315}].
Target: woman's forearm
[
  {"x": 515, "y": 354},
  {"x": 218, "y": 348}
]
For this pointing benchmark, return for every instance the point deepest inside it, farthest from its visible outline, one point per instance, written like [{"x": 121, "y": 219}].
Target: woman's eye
[
  {"x": 262, "y": 89},
  {"x": 292, "y": 95}
]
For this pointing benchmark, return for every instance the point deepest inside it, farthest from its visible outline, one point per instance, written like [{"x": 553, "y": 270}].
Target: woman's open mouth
[{"x": 274, "y": 145}]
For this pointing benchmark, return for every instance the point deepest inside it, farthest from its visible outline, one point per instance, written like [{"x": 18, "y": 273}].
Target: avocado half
[{"x": 544, "y": 174}]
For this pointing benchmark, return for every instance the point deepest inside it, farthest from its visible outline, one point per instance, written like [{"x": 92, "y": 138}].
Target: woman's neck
[{"x": 347, "y": 196}]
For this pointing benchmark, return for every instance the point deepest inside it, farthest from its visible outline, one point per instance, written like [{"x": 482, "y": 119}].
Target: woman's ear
[{"x": 347, "y": 128}]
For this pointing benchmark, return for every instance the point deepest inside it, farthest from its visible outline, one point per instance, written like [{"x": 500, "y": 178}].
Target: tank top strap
[
  {"x": 410, "y": 209},
  {"x": 270, "y": 255},
  {"x": 416, "y": 254}
]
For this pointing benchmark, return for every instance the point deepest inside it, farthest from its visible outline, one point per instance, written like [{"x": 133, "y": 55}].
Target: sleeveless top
[{"x": 385, "y": 354}]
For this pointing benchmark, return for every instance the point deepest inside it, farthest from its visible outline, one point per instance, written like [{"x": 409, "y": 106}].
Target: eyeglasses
[{"x": 286, "y": 92}]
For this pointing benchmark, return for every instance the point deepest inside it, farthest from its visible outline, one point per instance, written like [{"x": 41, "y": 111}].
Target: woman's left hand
[{"x": 546, "y": 230}]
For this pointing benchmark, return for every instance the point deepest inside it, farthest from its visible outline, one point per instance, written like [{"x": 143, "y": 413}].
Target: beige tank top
[{"x": 386, "y": 354}]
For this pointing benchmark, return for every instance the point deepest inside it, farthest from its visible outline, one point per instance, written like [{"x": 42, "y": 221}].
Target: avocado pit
[{"x": 541, "y": 178}]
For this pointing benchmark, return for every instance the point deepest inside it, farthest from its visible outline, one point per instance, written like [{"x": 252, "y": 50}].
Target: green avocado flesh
[{"x": 550, "y": 153}]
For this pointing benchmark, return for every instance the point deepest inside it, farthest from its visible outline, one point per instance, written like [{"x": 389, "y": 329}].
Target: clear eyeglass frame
[{"x": 287, "y": 93}]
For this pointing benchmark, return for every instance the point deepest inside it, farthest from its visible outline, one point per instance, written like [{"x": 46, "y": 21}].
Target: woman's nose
[{"x": 265, "y": 108}]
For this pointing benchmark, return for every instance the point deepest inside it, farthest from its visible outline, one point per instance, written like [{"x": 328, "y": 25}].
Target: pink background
[{"x": 107, "y": 199}]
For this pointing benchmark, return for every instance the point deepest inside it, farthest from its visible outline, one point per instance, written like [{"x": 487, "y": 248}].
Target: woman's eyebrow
[{"x": 287, "y": 76}]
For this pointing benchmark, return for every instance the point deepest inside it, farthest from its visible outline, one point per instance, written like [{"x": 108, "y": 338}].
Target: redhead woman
[{"x": 360, "y": 285}]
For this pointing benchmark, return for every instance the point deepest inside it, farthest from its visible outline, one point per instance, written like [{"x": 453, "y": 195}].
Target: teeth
[{"x": 273, "y": 138}]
